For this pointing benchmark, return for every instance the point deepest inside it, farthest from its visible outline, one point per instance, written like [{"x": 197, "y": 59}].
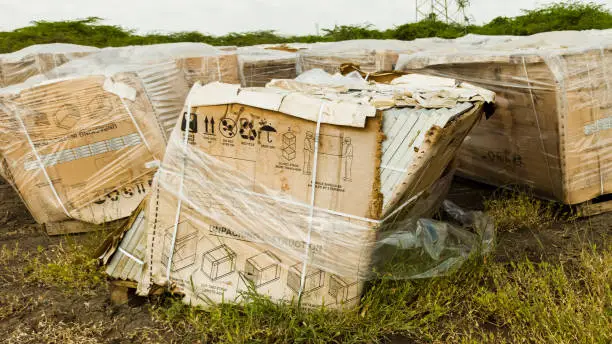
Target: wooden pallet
[
  {"x": 120, "y": 291},
  {"x": 588, "y": 209}
]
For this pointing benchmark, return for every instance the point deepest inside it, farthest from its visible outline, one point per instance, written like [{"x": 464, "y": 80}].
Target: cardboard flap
[{"x": 305, "y": 106}]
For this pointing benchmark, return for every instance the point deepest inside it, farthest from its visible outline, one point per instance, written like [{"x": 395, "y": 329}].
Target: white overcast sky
[{"x": 222, "y": 16}]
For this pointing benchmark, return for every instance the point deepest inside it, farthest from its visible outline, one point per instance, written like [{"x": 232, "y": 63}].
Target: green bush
[{"x": 90, "y": 31}]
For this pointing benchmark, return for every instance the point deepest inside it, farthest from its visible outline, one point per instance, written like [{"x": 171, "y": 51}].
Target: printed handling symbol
[
  {"x": 247, "y": 130},
  {"x": 193, "y": 122},
  {"x": 227, "y": 127},
  {"x": 267, "y": 128},
  {"x": 289, "y": 146},
  {"x": 209, "y": 130}
]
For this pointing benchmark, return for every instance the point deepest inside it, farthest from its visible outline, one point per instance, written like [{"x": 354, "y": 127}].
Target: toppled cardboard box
[
  {"x": 79, "y": 148},
  {"x": 94, "y": 123},
  {"x": 551, "y": 130},
  {"x": 233, "y": 205},
  {"x": 21, "y": 65}
]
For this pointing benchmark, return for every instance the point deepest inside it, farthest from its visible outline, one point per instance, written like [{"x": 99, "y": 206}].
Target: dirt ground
[{"x": 31, "y": 313}]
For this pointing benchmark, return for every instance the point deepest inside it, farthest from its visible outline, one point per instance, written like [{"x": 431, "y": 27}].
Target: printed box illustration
[
  {"x": 185, "y": 246},
  {"x": 219, "y": 262},
  {"x": 341, "y": 290},
  {"x": 262, "y": 269},
  {"x": 315, "y": 279},
  {"x": 289, "y": 145}
]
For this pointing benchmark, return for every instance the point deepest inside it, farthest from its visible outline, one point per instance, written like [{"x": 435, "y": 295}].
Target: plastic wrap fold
[
  {"x": 552, "y": 128},
  {"x": 233, "y": 205}
]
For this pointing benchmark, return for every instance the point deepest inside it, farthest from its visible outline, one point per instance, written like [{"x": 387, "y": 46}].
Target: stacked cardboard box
[
  {"x": 370, "y": 55},
  {"x": 19, "y": 66},
  {"x": 551, "y": 130},
  {"x": 260, "y": 64},
  {"x": 233, "y": 206}
]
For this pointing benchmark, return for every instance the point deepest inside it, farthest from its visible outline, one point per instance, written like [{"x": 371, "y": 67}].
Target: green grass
[
  {"x": 515, "y": 210},
  {"x": 69, "y": 265},
  {"x": 568, "y": 15},
  {"x": 567, "y": 300},
  {"x": 495, "y": 302}
]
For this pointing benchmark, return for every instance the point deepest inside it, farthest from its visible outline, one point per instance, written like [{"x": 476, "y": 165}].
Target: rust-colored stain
[{"x": 284, "y": 184}]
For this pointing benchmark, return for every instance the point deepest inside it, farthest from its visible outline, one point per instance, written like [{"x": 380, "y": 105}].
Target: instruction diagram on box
[
  {"x": 218, "y": 262},
  {"x": 314, "y": 279},
  {"x": 262, "y": 269},
  {"x": 289, "y": 146},
  {"x": 67, "y": 116},
  {"x": 100, "y": 106},
  {"x": 340, "y": 147},
  {"x": 185, "y": 246},
  {"x": 342, "y": 291}
]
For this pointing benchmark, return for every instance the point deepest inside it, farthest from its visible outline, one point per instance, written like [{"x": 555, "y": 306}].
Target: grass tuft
[
  {"x": 68, "y": 265},
  {"x": 497, "y": 303},
  {"x": 517, "y": 210}
]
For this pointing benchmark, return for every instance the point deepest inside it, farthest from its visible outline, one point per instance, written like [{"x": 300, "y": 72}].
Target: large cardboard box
[
  {"x": 370, "y": 55},
  {"x": 551, "y": 128},
  {"x": 261, "y": 64},
  {"x": 233, "y": 205},
  {"x": 21, "y": 65},
  {"x": 79, "y": 148}
]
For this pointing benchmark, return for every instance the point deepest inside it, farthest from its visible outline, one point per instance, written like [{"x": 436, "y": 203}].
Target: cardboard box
[
  {"x": 551, "y": 128},
  {"x": 370, "y": 55},
  {"x": 19, "y": 66},
  {"x": 260, "y": 65},
  {"x": 246, "y": 188},
  {"x": 93, "y": 135}
]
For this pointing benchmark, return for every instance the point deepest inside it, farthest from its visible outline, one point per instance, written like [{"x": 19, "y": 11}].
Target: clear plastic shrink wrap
[
  {"x": 81, "y": 142},
  {"x": 260, "y": 64},
  {"x": 233, "y": 206},
  {"x": 371, "y": 55},
  {"x": 19, "y": 66},
  {"x": 552, "y": 126}
]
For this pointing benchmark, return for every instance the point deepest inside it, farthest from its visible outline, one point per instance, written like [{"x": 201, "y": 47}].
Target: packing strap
[
  {"x": 312, "y": 200},
  {"x": 140, "y": 133},
  {"x": 180, "y": 191},
  {"x": 537, "y": 120},
  {"x": 218, "y": 69},
  {"x": 131, "y": 256}
]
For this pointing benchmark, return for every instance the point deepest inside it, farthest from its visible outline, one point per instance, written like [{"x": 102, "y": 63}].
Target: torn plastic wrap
[
  {"x": 232, "y": 206},
  {"x": 21, "y": 65},
  {"x": 551, "y": 130},
  {"x": 426, "y": 248},
  {"x": 260, "y": 64}
]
